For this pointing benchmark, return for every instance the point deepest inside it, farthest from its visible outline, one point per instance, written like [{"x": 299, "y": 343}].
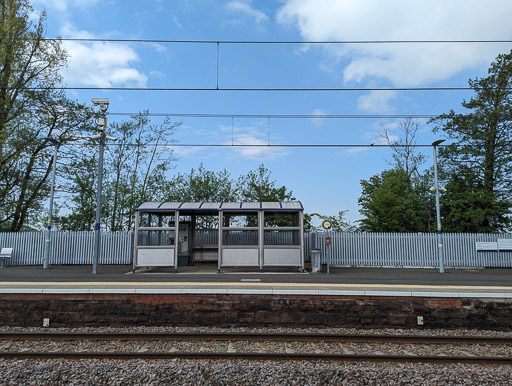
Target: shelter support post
[
  {"x": 193, "y": 221},
  {"x": 135, "y": 240},
  {"x": 301, "y": 224},
  {"x": 176, "y": 238},
  {"x": 221, "y": 222},
  {"x": 261, "y": 238}
]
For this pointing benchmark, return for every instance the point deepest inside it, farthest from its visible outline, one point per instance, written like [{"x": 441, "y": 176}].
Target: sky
[{"x": 325, "y": 180}]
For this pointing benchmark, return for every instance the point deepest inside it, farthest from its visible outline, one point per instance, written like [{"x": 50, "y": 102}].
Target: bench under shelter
[{"x": 234, "y": 234}]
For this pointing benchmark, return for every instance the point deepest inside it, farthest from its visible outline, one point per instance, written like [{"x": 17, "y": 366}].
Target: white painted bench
[{"x": 5, "y": 253}]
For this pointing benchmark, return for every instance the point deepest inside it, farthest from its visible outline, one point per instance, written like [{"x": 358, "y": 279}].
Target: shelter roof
[{"x": 150, "y": 206}]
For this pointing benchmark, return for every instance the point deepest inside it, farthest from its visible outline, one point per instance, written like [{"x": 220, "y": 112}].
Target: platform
[
  {"x": 71, "y": 296},
  {"x": 479, "y": 283}
]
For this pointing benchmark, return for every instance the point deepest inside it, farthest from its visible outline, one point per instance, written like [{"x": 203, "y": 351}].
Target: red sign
[{"x": 327, "y": 241}]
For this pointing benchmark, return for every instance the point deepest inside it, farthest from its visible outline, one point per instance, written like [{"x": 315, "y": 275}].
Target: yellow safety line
[{"x": 243, "y": 284}]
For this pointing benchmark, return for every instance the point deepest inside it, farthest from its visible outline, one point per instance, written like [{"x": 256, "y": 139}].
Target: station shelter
[{"x": 233, "y": 234}]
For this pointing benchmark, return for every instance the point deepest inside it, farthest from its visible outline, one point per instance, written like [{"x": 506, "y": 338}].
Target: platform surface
[{"x": 489, "y": 283}]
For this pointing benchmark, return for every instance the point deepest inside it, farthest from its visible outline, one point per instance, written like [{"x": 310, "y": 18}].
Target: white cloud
[
  {"x": 317, "y": 121},
  {"x": 403, "y": 64},
  {"x": 63, "y": 5},
  {"x": 175, "y": 20},
  {"x": 376, "y": 102},
  {"x": 252, "y": 136},
  {"x": 245, "y": 7},
  {"x": 100, "y": 64},
  {"x": 374, "y": 137},
  {"x": 159, "y": 47},
  {"x": 157, "y": 74},
  {"x": 185, "y": 151}
]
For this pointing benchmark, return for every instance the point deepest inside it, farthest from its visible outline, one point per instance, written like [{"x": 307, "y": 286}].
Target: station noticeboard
[
  {"x": 486, "y": 246},
  {"x": 505, "y": 245},
  {"x": 501, "y": 245}
]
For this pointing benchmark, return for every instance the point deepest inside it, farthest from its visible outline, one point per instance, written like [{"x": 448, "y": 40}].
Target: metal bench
[{"x": 5, "y": 253}]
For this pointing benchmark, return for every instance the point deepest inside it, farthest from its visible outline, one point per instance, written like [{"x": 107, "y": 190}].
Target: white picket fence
[{"x": 347, "y": 249}]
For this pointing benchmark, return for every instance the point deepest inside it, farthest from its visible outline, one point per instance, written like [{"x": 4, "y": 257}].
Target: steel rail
[
  {"x": 258, "y": 356},
  {"x": 237, "y": 336}
]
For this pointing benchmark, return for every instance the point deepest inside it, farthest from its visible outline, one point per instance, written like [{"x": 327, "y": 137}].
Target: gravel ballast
[
  {"x": 245, "y": 372},
  {"x": 189, "y": 372}
]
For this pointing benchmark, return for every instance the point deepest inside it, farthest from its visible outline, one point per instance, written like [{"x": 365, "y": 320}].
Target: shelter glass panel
[
  {"x": 207, "y": 222},
  {"x": 156, "y": 220},
  {"x": 245, "y": 220},
  {"x": 278, "y": 219},
  {"x": 240, "y": 237},
  {"x": 155, "y": 238},
  {"x": 281, "y": 237},
  {"x": 206, "y": 237}
]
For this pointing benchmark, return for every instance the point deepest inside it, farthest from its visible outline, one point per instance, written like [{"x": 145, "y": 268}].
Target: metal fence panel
[
  {"x": 67, "y": 247},
  {"x": 346, "y": 249},
  {"x": 407, "y": 249}
]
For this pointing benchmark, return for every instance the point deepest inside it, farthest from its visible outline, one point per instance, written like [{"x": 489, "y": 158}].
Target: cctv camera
[{"x": 102, "y": 102}]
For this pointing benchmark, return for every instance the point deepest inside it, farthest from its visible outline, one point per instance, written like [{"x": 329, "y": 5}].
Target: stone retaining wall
[{"x": 75, "y": 310}]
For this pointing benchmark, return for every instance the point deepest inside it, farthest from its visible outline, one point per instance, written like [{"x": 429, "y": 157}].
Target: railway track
[
  {"x": 227, "y": 336},
  {"x": 320, "y": 342}
]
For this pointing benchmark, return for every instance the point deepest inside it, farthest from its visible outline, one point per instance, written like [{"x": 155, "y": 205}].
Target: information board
[
  {"x": 505, "y": 245},
  {"x": 486, "y": 246}
]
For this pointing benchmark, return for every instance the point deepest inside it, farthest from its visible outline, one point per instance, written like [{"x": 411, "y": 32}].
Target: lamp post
[
  {"x": 438, "y": 209},
  {"x": 50, "y": 205},
  {"x": 102, "y": 127}
]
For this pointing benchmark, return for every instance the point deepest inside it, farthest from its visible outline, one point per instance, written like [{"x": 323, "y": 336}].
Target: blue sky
[{"x": 326, "y": 180}]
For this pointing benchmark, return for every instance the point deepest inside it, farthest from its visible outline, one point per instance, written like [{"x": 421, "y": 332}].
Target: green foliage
[
  {"x": 465, "y": 207},
  {"x": 30, "y": 112},
  {"x": 135, "y": 170},
  {"x": 258, "y": 187},
  {"x": 390, "y": 203},
  {"x": 201, "y": 185},
  {"x": 481, "y": 154},
  {"x": 339, "y": 222},
  {"x": 83, "y": 200}
]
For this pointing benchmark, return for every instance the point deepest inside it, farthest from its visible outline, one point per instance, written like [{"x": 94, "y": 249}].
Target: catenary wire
[
  {"x": 451, "y": 41},
  {"x": 255, "y": 145},
  {"x": 301, "y": 89},
  {"x": 280, "y": 116}
]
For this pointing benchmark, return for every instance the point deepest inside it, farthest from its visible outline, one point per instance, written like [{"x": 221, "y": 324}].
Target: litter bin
[
  {"x": 183, "y": 261},
  {"x": 316, "y": 265}
]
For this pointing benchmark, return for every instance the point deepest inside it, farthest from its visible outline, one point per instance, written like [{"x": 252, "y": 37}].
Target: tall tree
[
  {"x": 390, "y": 203},
  {"x": 465, "y": 207},
  {"x": 202, "y": 185},
  {"x": 136, "y": 169},
  {"x": 407, "y": 158},
  {"x": 257, "y": 186},
  {"x": 31, "y": 111},
  {"x": 405, "y": 155},
  {"x": 482, "y": 151}
]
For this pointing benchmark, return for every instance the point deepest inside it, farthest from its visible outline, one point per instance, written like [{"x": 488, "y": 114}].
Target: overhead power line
[
  {"x": 163, "y": 41},
  {"x": 170, "y": 145},
  {"x": 301, "y": 89},
  {"x": 282, "y": 116}
]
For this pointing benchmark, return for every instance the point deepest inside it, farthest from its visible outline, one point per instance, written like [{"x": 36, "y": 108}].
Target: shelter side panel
[
  {"x": 240, "y": 257},
  {"x": 155, "y": 257},
  {"x": 282, "y": 257}
]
